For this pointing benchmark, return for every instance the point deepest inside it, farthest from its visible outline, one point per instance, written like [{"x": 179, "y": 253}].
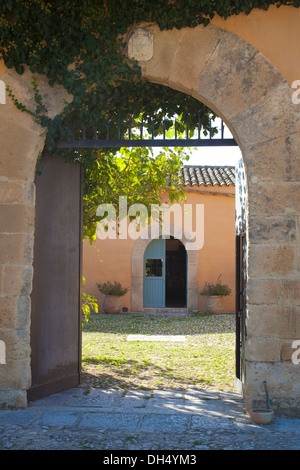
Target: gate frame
[{"x": 236, "y": 81}]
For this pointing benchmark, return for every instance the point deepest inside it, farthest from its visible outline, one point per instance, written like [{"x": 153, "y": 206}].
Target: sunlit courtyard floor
[{"x": 203, "y": 356}]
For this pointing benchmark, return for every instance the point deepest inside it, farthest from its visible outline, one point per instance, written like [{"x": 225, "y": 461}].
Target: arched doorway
[
  {"x": 165, "y": 274},
  {"x": 254, "y": 99},
  {"x": 191, "y": 256}
]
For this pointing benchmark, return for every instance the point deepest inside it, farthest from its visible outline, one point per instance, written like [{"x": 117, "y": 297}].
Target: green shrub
[
  {"x": 216, "y": 289},
  {"x": 108, "y": 288},
  {"x": 88, "y": 302}
]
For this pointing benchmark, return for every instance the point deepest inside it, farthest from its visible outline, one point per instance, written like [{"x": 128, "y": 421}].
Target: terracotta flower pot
[
  {"x": 262, "y": 416},
  {"x": 112, "y": 304},
  {"x": 215, "y": 304}
]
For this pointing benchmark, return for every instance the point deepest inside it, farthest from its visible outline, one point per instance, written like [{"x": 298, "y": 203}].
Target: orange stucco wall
[
  {"x": 110, "y": 260},
  {"x": 275, "y": 33}
]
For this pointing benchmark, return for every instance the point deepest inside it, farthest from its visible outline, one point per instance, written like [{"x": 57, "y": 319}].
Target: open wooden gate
[
  {"x": 241, "y": 268},
  {"x": 56, "y": 295}
]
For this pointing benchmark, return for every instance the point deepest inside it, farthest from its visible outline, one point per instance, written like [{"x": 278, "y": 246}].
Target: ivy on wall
[{"x": 80, "y": 45}]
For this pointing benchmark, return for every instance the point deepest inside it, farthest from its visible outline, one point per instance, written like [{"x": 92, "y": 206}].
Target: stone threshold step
[{"x": 169, "y": 338}]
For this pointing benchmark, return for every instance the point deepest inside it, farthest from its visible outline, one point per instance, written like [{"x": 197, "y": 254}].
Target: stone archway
[
  {"x": 254, "y": 99},
  {"x": 137, "y": 274}
]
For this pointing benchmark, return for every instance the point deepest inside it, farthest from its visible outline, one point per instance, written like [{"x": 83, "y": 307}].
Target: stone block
[
  {"x": 236, "y": 76},
  {"x": 13, "y": 399},
  {"x": 271, "y": 260},
  {"x": 193, "y": 267},
  {"x": 165, "y": 44},
  {"x": 53, "y": 97},
  {"x": 17, "y": 280},
  {"x": 281, "y": 322},
  {"x": 283, "y": 380},
  {"x": 8, "y": 310},
  {"x": 15, "y": 312},
  {"x": 289, "y": 290},
  {"x": 193, "y": 52},
  {"x": 20, "y": 147},
  {"x": 23, "y": 312},
  {"x": 273, "y": 116},
  {"x": 274, "y": 160},
  {"x": 277, "y": 229},
  {"x": 16, "y": 248},
  {"x": 137, "y": 294},
  {"x": 17, "y": 344},
  {"x": 16, "y": 118},
  {"x": 287, "y": 351},
  {"x": 136, "y": 268},
  {"x": 192, "y": 298},
  {"x": 273, "y": 198},
  {"x": 282, "y": 292},
  {"x": 15, "y": 375},
  {"x": 17, "y": 218},
  {"x": 17, "y": 191},
  {"x": 263, "y": 349}
]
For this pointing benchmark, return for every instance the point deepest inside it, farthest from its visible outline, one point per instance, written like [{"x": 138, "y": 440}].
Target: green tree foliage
[
  {"x": 89, "y": 304},
  {"x": 135, "y": 173}
]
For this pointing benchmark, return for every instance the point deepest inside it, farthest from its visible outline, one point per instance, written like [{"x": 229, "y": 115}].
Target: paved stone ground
[{"x": 190, "y": 421}]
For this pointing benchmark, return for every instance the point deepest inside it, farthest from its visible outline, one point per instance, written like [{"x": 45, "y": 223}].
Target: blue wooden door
[{"x": 155, "y": 274}]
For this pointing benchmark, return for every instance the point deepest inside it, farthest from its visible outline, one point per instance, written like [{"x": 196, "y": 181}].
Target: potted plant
[
  {"x": 112, "y": 296},
  {"x": 215, "y": 294}
]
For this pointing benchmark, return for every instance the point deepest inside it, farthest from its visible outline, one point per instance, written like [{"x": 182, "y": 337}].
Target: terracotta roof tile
[{"x": 208, "y": 175}]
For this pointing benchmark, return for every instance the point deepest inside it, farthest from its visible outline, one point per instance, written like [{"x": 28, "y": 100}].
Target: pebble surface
[{"x": 111, "y": 420}]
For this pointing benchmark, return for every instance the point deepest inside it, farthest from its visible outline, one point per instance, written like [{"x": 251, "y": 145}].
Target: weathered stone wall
[
  {"x": 21, "y": 141},
  {"x": 255, "y": 101}
]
